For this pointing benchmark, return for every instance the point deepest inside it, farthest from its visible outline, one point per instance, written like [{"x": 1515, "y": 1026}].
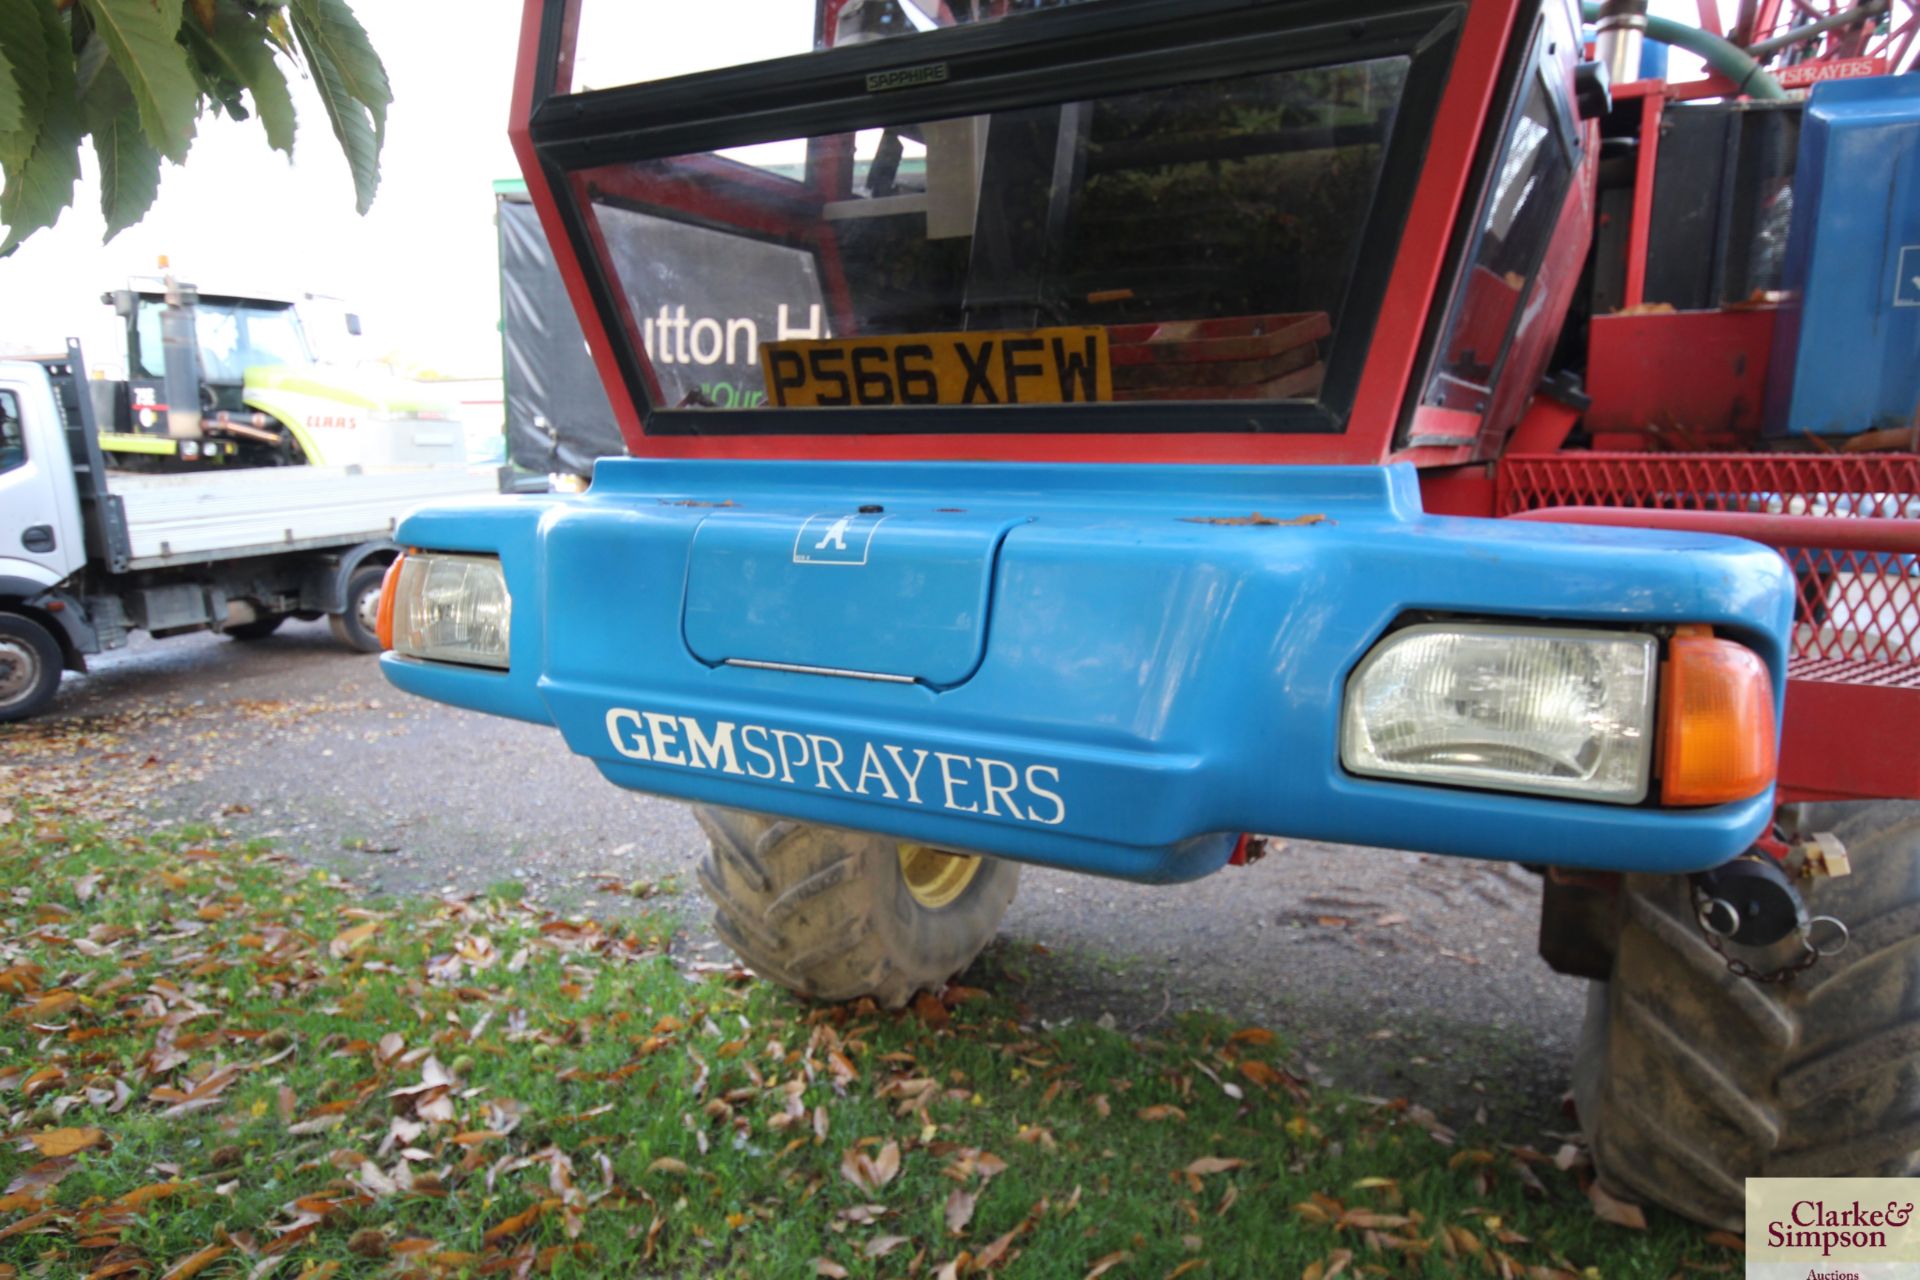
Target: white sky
[{"x": 422, "y": 267}]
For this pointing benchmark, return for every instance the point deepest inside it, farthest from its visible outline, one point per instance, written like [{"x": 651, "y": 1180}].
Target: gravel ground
[{"x": 1394, "y": 973}]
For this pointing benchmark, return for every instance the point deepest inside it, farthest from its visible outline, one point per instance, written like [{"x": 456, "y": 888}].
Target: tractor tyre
[
  {"x": 836, "y": 915},
  {"x": 354, "y": 626},
  {"x": 1690, "y": 1079},
  {"x": 259, "y": 629},
  {"x": 30, "y": 665}
]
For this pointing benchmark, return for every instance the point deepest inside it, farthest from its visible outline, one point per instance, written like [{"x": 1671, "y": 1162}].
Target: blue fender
[{"x": 1107, "y": 668}]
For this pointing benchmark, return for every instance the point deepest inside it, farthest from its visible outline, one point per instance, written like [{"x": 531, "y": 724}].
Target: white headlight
[
  {"x": 450, "y": 608},
  {"x": 1506, "y": 708}
]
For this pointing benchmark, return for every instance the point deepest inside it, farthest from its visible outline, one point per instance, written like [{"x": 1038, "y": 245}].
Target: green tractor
[{"x": 230, "y": 380}]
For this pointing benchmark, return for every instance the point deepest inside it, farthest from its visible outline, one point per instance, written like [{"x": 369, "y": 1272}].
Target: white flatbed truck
[{"x": 88, "y": 555}]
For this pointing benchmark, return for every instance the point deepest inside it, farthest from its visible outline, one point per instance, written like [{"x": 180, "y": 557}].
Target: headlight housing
[
  {"x": 449, "y": 608},
  {"x": 1506, "y": 708}
]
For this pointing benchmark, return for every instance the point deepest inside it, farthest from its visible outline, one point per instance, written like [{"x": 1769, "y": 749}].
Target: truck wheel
[
  {"x": 29, "y": 667},
  {"x": 1690, "y": 1079},
  {"x": 836, "y": 915},
  {"x": 259, "y": 629},
  {"x": 356, "y": 626}
]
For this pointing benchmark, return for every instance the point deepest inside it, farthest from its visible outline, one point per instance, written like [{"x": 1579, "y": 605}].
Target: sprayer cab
[{"x": 1101, "y": 230}]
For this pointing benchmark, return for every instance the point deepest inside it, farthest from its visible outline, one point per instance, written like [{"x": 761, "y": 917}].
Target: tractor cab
[
  {"x": 222, "y": 378},
  {"x": 1106, "y": 229}
]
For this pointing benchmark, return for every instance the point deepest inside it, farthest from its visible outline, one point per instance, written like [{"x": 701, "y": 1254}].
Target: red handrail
[{"x": 1833, "y": 533}]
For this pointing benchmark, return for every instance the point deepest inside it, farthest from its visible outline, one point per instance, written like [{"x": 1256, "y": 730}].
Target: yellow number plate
[{"x": 1033, "y": 366}]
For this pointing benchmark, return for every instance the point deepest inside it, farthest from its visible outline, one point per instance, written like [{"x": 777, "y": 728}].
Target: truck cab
[{"x": 89, "y": 555}]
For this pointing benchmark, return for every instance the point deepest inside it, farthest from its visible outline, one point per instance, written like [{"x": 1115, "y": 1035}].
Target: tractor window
[
  {"x": 1190, "y": 243},
  {"x": 1528, "y": 191},
  {"x": 13, "y": 434},
  {"x": 619, "y": 42},
  {"x": 150, "y": 356},
  {"x": 235, "y": 336}
]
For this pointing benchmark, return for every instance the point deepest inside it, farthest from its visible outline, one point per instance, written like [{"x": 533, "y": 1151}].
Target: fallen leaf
[
  {"x": 64, "y": 1142},
  {"x": 829, "y": 1268},
  {"x": 1161, "y": 1111},
  {"x": 927, "y": 1007},
  {"x": 1035, "y": 1135},
  {"x": 140, "y": 1197},
  {"x": 1103, "y": 1265},
  {"x": 870, "y": 1173},
  {"x": 473, "y": 1137},
  {"x": 509, "y": 1227},
  {"x": 123, "y": 1266},
  {"x": 1251, "y": 1035},
  {"x": 46, "y": 1006},
  {"x": 1619, "y": 1212},
  {"x": 1727, "y": 1240},
  {"x": 1214, "y": 1164},
  {"x": 1191, "y": 1264},
  {"x": 667, "y": 1164},
  {"x": 960, "y": 1209},
  {"x": 369, "y": 1242},
  {"x": 881, "y": 1246},
  {"x": 38, "y": 1177},
  {"x": 26, "y": 1224},
  {"x": 347, "y": 941},
  {"x": 194, "y": 1263}
]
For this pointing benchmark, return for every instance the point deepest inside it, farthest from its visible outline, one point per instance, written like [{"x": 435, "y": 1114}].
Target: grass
[{"x": 215, "y": 1062}]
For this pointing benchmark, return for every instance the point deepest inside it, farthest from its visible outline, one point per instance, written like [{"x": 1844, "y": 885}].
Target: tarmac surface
[{"x": 1392, "y": 973}]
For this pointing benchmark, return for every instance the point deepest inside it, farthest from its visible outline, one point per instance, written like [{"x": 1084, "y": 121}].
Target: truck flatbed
[{"x": 196, "y": 517}]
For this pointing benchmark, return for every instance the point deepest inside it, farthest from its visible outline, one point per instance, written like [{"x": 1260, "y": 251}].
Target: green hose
[{"x": 1729, "y": 59}]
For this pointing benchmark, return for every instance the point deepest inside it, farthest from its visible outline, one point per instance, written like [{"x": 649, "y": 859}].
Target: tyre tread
[
  {"x": 1693, "y": 1079},
  {"x": 795, "y": 903}
]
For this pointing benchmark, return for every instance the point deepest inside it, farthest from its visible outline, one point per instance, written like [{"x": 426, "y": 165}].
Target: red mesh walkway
[{"x": 1857, "y": 619}]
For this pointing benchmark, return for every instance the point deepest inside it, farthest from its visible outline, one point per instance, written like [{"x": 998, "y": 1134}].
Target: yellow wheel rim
[{"x": 935, "y": 877}]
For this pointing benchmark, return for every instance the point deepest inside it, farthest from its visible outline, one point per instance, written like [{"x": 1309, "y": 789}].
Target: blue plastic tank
[{"x": 1846, "y": 355}]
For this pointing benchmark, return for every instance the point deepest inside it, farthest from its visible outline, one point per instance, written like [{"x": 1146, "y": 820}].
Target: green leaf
[
  {"x": 41, "y": 186},
  {"x": 239, "y": 48},
  {"x": 352, "y": 83},
  {"x": 129, "y": 171},
  {"x": 21, "y": 49},
  {"x": 13, "y": 107},
  {"x": 129, "y": 166},
  {"x": 142, "y": 36}
]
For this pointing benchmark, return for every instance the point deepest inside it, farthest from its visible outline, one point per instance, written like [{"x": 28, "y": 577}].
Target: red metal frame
[
  {"x": 1439, "y": 200},
  {"x": 1652, "y": 95},
  {"x": 1686, "y": 380}
]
